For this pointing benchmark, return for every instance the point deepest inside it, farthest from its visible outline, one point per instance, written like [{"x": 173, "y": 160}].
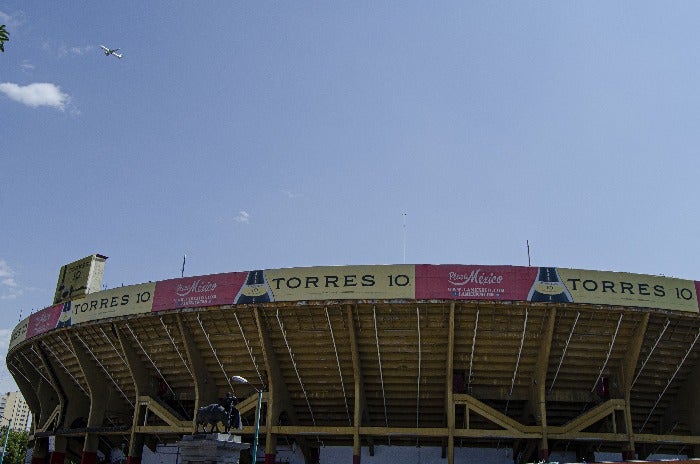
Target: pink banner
[
  {"x": 190, "y": 292},
  {"x": 44, "y": 320},
  {"x": 474, "y": 282}
]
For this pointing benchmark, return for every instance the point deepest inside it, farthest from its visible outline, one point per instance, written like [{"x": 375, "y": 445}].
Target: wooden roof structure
[{"x": 527, "y": 375}]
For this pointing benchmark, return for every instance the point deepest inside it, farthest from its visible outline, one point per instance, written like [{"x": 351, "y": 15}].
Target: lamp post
[{"x": 239, "y": 379}]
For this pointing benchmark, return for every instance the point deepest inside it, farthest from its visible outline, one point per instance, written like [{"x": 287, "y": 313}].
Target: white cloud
[
  {"x": 26, "y": 65},
  {"x": 64, "y": 50},
  {"x": 9, "y": 290},
  {"x": 81, "y": 50},
  {"x": 290, "y": 194},
  {"x": 7, "y": 383},
  {"x": 4, "y": 341},
  {"x": 242, "y": 217},
  {"x": 12, "y": 21},
  {"x": 37, "y": 94},
  {"x": 5, "y": 269}
]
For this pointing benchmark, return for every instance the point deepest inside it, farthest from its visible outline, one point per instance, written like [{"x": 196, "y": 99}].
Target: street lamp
[{"x": 239, "y": 379}]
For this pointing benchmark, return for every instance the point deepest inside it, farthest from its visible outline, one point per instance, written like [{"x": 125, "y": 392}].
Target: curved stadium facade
[{"x": 535, "y": 359}]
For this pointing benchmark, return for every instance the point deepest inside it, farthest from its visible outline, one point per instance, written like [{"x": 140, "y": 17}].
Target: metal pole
[
  {"x": 527, "y": 242},
  {"x": 239, "y": 379},
  {"x": 257, "y": 428}
]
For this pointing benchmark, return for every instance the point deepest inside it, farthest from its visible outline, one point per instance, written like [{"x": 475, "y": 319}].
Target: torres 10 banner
[
  {"x": 549, "y": 284},
  {"x": 380, "y": 282}
]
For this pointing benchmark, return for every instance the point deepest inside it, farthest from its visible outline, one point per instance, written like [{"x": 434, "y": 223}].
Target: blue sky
[{"x": 263, "y": 135}]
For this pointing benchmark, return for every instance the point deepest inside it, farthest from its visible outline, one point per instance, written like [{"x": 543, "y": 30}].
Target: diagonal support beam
[
  {"x": 156, "y": 408},
  {"x": 51, "y": 417},
  {"x": 492, "y": 414},
  {"x": 590, "y": 417},
  {"x": 249, "y": 404}
]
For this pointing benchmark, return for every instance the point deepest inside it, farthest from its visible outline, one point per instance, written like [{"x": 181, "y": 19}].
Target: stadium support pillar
[
  {"x": 40, "y": 450},
  {"x": 204, "y": 387},
  {"x": 58, "y": 455},
  {"x": 538, "y": 401},
  {"x": 90, "y": 449},
  {"x": 360, "y": 415},
  {"x": 694, "y": 405},
  {"x": 29, "y": 392},
  {"x": 138, "y": 372},
  {"x": 449, "y": 392},
  {"x": 135, "y": 449},
  {"x": 140, "y": 377},
  {"x": 97, "y": 385},
  {"x": 277, "y": 394},
  {"x": 687, "y": 404},
  {"x": 51, "y": 392},
  {"x": 629, "y": 365}
]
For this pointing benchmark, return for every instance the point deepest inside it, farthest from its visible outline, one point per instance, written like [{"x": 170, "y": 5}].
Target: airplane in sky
[{"x": 110, "y": 51}]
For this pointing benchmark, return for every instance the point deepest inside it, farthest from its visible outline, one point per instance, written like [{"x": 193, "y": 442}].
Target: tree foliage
[
  {"x": 4, "y": 37},
  {"x": 16, "y": 448}
]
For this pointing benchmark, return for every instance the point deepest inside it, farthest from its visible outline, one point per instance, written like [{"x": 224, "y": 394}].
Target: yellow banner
[
  {"x": 342, "y": 282},
  {"x": 121, "y": 301},
  {"x": 621, "y": 288}
]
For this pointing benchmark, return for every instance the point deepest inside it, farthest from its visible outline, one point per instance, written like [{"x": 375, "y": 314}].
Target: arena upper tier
[{"x": 537, "y": 359}]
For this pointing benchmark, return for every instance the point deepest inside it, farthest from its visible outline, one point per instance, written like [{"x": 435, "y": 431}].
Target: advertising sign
[
  {"x": 621, "y": 288},
  {"x": 44, "y": 320},
  {"x": 331, "y": 283},
  {"x": 458, "y": 282},
  {"x": 122, "y": 301},
  {"x": 19, "y": 334},
  {"x": 190, "y": 292},
  {"x": 79, "y": 278},
  {"x": 380, "y": 282}
]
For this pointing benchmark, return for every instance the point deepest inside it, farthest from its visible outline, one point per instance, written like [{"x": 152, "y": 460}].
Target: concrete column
[
  {"x": 273, "y": 412},
  {"x": 58, "y": 455},
  {"x": 359, "y": 392},
  {"x": 40, "y": 451},
  {"x": 135, "y": 449},
  {"x": 204, "y": 387},
  {"x": 449, "y": 392},
  {"x": 90, "y": 449},
  {"x": 538, "y": 396},
  {"x": 97, "y": 386}
]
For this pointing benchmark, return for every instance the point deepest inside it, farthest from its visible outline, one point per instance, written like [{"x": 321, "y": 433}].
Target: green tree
[
  {"x": 16, "y": 448},
  {"x": 4, "y": 37}
]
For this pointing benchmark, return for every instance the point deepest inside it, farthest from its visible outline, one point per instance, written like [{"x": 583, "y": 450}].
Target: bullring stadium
[{"x": 540, "y": 361}]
